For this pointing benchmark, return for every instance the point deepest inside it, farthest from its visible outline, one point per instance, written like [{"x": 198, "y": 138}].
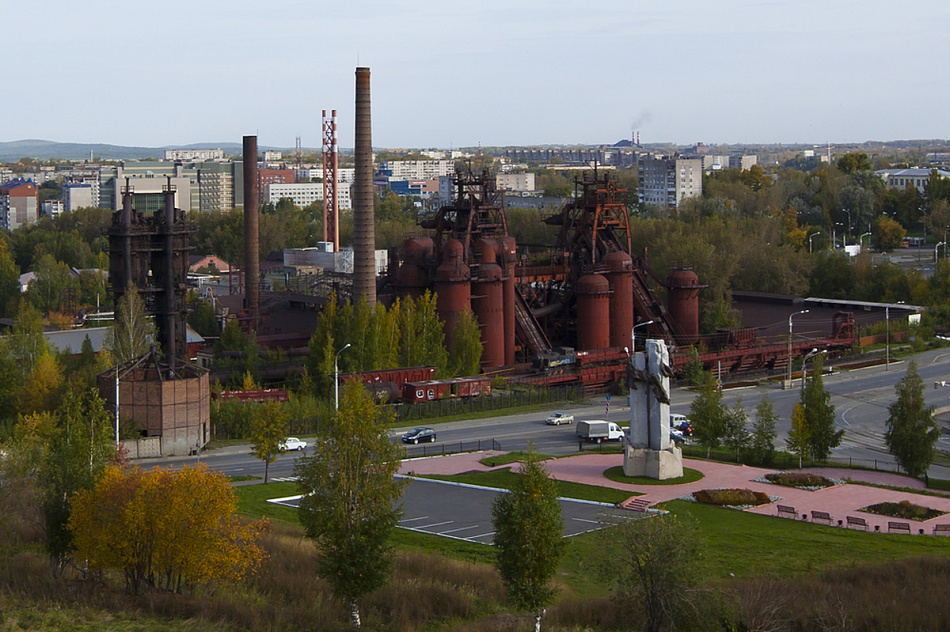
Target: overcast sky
[{"x": 453, "y": 74}]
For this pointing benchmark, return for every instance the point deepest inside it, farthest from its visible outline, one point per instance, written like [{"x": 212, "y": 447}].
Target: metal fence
[
  {"x": 498, "y": 400},
  {"x": 784, "y": 460},
  {"x": 437, "y": 449}
]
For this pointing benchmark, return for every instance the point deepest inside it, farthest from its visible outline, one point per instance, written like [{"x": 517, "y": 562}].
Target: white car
[
  {"x": 292, "y": 443},
  {"x": 559, "y": 418}
]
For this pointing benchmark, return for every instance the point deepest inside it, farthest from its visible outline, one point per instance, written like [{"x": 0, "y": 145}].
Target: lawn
[{"x": 505, "y": 479}]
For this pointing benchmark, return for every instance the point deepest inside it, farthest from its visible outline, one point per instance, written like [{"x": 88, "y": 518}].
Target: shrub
[
  {"x": 731, "y": 497},
  {"x": 905, "y": 510},
  {"x": 800, "y": 480}
]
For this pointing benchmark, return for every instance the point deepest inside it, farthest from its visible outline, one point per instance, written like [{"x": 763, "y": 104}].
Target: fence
[
  {"x": 784, "y": 460},
  {"x": 433, "y": 449},
  {"x": 496, "y": 401}
]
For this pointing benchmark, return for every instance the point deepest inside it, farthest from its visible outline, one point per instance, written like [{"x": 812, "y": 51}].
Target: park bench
[
  {"x": 900, "y": 527},
  {"x": 857, "y": 523},
  {"x": 942, "y": 529},
  {"x": 821, "y": 516},
  {"x": 784, "y": 511}
]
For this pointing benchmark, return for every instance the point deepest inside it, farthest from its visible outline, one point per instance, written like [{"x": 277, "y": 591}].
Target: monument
[{"x": 649, "y": 451}]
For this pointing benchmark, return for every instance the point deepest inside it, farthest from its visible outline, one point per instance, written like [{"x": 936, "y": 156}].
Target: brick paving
[{"x": 839, "y": 501}]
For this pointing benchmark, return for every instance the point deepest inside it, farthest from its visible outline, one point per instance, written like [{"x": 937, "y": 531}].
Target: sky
[{"x": 455, "y": 74}]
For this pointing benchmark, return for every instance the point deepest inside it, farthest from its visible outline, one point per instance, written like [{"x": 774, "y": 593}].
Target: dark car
[{"x": 419, "y": 434}]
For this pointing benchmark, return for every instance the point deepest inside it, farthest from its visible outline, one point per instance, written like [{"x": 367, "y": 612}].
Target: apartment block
[
  {"x": 667, "y": 181},
  {"x": 18, "y": 203}
]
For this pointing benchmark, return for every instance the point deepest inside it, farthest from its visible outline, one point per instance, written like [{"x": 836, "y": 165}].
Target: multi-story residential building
[
  {"x": 343, "y": 174},
  {"x": 416, "y": 169},
  {"x": 519, "y": 182},
  {"x": 903, "y": 178},
  {"x": 306, "y": 193},
  {"x": 666, "y": 181},
  {"x": 51, "y": 208},
  {"x": 79, "y": 195},
  {"x": 419, "y": 188},
  {"x": 18, "y": 203},
  {"x": 191, "y": 155},
  {"x": 743, "y": 163}
]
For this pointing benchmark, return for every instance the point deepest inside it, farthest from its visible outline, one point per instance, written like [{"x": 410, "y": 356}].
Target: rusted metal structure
[
  {"x": 164, "y": 394},
  {"x": 331, "y": 178},
  {"x": 364, "y": 235},
  {"x": 252, "y": 257},
  {"x": 152, "y": 252}
]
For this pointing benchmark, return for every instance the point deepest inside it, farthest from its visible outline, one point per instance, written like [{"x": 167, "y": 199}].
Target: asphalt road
[{"x": 860, "y": 398}]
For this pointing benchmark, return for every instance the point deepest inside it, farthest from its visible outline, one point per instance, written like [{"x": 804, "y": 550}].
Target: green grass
[
  {"x": 616, "y": 474},
  {"x": 252, "y": 501},
  {"x": 749, "y": 545},
  {"x": 505, "y": 479},
  {"x": 241, "y": 478},
  {"x": 510, "y": 457}
]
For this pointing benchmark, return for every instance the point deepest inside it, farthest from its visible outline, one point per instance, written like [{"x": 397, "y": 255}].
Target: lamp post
[
  {"x": 849, "y": 225},
  {"x": 336, "y": 377},
  {"x": 810, "y": 238},
  {"x": 788, "y": 383},
  {"x": 863, "y": 235},
  {"x": 633, "y": 335},
  {"x": 810, "y": 354},
  {"x": 937, "y": 249}
]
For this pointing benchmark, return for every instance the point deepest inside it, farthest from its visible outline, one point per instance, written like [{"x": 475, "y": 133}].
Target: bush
[
  {"x": 800, "y": 480},
  {"x": 731, "y": 497},
  {"x": 905, "y": 510}
]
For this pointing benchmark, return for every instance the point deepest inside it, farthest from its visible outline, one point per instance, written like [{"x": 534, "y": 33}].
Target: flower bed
[
  {"x": 800, "y": 480},
  {"x": 731, "y": 497},
  {"x": 905, "y": 510}
]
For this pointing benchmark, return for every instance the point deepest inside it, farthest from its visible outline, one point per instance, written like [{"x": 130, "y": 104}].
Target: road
[{"x": 860, "y": 398}]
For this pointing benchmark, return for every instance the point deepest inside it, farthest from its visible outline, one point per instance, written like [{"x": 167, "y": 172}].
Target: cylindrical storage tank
[
  {"x": 620, "y": 278},
  {"x": 684, "y": 303},
  {"x": 452, "y": 288},
  {"x": 509, "y": 250},
  {"x": 411, "y": 277},
  {"x": 488, "y": 305},
  {"x": 593, "y": 312}
]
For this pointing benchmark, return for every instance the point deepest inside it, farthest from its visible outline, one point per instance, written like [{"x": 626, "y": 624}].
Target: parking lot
[{"x": 463, "y": 512}]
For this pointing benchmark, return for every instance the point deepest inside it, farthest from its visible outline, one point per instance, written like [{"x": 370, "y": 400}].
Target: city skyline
[{"x": 499, "y": 74}]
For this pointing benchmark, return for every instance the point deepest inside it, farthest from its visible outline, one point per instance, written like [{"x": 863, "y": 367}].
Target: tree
[
  {"x": 763, "y": 432},
  {"x": 853, "y": 162},
  {"x": 9, "y": 282},
  {"x": 350, "y": 490},
  {"x": 165, "y": 529},
  {"x": 653, "y": 566},
  {"x": 708, "y": 416},
  {"x": 466, "y": 352},
  {"x": 820, "y": 415},
  {"x": 529, "y": 538},
  {"x": 735, "y": 434},
  {"x": 270, "y": 428},
  {"x": 887, "y": 234},
  {"x": 912, "y": 433},
  {"x": 76, "y": 453},
  {"x": 133, "y": 332},
  {"x": 798, "y": 435}
]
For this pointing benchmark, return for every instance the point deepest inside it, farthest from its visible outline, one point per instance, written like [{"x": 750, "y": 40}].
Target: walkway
[{"x": 839, "y": 501}]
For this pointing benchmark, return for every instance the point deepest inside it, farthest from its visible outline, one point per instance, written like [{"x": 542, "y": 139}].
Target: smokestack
[
  {"x": 364, "y": 236},
  {"x": 252, "y": 263}
]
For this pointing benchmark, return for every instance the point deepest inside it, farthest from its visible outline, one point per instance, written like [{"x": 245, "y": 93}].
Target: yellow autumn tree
[
  {"x": 165, "y": 529},
  {"x": 43, "y": 387}
]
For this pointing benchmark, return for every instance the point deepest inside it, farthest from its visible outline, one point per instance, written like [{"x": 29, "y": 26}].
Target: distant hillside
[{"x": 12, "y": 151}]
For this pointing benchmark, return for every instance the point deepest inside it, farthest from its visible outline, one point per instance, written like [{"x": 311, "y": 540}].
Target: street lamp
[
  {"x": 336, "y": 377},
  {"x": 788, "y": 383},
  {"x": 633, "y": 335},
  {"x": 810, "y": 238},
  {"x": 937, "y": 249},
  {"x": 810, "y": 354},
  {"x": 849, "y": 224},
  {"x": 863, "y": 235}
]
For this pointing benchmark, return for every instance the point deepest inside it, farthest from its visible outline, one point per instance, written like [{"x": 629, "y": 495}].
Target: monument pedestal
[{"x": 658, "y": 464}]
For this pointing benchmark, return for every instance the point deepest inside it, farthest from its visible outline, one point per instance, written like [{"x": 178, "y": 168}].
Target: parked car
[
  {"x": 419, "y": 434},
  {"x": 559, "y": 418},
  {"x": 677, "y": 437},
  {"x": 681, "y": 423},
  {"x": 291, "y": 443}
]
